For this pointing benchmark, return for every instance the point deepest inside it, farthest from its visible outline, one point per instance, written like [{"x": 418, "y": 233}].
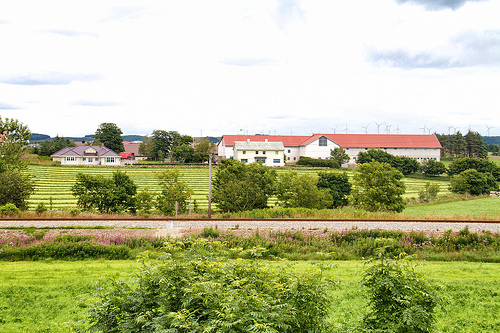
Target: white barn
[{"x": 420, "y": 147}]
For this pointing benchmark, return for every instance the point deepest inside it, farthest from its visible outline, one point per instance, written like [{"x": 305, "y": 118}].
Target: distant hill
[
  {"x": 41, "y": 137},
  {"x": 491, "y": 140}
]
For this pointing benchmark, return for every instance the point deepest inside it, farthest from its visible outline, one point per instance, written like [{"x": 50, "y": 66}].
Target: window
[
  {"x": 83, "y": 159},
  {"x": 276, "y": 152},
  {"x": 256, "y": 152},
  {"x": 264, "y": 152},
  {"x": 244, "y": 152},
  {"x": 90, "y": 159},
  {"x": 289, "y": 151},
  {"x": 260, "y": 159},
  {"x": 322, "y": 141},
  {"x": 110, "y": 160},
  {"x": 294, "y": 158},
  {"x": 288, "y": 158},
  {"x": 276, "y": 160},
  {"x": 70, "y": 158},
  {"x": 244, "y": 160}
]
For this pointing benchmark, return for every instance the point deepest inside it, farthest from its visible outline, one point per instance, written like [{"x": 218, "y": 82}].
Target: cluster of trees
[
  {"x": 239, "y": 187},
  {"x": 404, "y": 164},
  {"x": 16, "y": 185},
  {"x": 163, "y": 144},
  {"x": 458, "y": 145},
  {"x": 119, "y": 193},
  {"x": 49, "y": 147},
  {"x": 474, "y": 176}
]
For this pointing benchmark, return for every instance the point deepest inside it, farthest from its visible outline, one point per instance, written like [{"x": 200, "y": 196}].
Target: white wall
[
  {"x": 314, "y": 150},
  {"x": 95, "y": 161},
  {"x": 249, "y": 156}
]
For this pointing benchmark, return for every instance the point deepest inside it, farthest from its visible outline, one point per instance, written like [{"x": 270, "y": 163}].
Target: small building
[
  {"x": 87, "y": 155},
  {"x": 132, "y": 148},
  {"x": 267, "y": 153}
]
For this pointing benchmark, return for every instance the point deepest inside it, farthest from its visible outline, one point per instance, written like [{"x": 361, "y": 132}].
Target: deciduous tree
[
  {"x": 105, "y": 195},
  {"x": 110, "y": 136},
  {"x": 339, "y": 155},
  {"x": 238, "y": 186},
  {"x": 339, "y": 186},
  {"x": 16, "y": 185},
  {"x": 378, "y": 187},
  {"x": 300, "y": 190},
  {"x": 173, "y": 190}
]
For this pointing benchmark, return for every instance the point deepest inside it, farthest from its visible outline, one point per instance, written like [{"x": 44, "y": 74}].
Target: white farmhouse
[
  {"x": 267, "y": 153},
  {"x": 87, "y": 155}
]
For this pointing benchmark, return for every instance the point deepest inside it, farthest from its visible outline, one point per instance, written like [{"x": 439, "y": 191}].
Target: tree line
[{"x": 158, "y": 146}]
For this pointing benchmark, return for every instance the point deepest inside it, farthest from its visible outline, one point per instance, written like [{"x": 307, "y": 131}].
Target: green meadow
[
  {"x": 53, "y": 183},
  {"x": 48, "y": 296}
]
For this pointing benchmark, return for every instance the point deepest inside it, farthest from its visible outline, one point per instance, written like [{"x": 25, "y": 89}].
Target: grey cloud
[
  {"x": 286, "y": 11},
  {"x": 95, "y": 103},
  {"x": 439, "y": 4},
  {"x": 479, "y": 48},
  {"x": 118, "y": 13},
  {"x": 403, "y": 59},
  {"x": 69, "y": 33},
  {"x": 5, "y": 106},
  {"x": 469, "y": 49},
  {"x": 248, "y": 61},
  {"x": 46, "y": 78}
]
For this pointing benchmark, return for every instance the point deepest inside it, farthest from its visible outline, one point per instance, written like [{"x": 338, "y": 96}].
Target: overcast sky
[{"x": 258, "y": 66}]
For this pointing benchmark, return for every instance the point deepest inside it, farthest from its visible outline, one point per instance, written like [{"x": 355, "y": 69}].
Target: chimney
[
  {"x": 248, "y": 140},
  {"x": 265, "y": 140}
]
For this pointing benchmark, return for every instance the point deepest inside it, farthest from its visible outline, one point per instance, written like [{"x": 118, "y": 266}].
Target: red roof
[
  {"x": 384, "y": 140},
  {"x": 288, "y": 140},
  {"x": 345, "y": 140}
]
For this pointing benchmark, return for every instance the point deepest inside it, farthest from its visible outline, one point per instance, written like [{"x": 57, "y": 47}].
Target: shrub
[
  {"x": 429, "y": 192},
  {"x": 9, "y": 210},
  {"x": 40, "y": 208},
  {"x": 470, "y": 181},
  {"x": 400, "y": 299},
  {"x": 191, "y": 289},
  {"x": 318, "y": 162},
  {"x": 433, "y": 168}
]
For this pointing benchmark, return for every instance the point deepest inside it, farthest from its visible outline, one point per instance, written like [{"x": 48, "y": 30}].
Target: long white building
[{"x": 419, "y": 147}]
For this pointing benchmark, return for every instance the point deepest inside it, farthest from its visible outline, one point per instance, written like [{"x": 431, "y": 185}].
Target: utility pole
[{"x": 210, "y": 186}]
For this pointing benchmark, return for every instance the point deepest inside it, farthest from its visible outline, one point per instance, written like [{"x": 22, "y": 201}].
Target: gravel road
[{"x": 254, "y": 224}]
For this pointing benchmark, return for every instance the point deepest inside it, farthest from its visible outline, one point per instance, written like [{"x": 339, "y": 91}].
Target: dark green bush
[
  {"x": 193, "y": 289},
  {"x": 318, "y": 162}
]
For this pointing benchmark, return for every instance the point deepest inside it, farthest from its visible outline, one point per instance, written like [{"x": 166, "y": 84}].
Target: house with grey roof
[
  {"x": 267, "y": 153},
  {"x": 87, "y": 155}
]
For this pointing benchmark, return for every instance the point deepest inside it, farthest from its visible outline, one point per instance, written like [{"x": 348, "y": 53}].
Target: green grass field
[
  {"x": 45, "y": 296},
  {"x": 55, "y": 182},
  {"x": 487, "y": 208}
]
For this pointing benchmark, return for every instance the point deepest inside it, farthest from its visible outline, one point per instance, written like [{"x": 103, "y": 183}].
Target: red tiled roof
[
  {"x": 345, "y": 140},
  {"x": 384, "y": 140},
  {"x": 288, "y": 140}
]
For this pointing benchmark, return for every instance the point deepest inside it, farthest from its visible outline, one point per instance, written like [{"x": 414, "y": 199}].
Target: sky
[{"x": 208, "y": 68}]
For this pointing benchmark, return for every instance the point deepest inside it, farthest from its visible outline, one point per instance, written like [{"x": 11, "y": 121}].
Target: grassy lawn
[
  {"x": 487, "y": 208},
  {"x": 44, "y": 296}
]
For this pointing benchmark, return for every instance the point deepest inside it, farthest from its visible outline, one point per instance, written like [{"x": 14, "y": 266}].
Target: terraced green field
[{"x": 56, "y": 181}]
